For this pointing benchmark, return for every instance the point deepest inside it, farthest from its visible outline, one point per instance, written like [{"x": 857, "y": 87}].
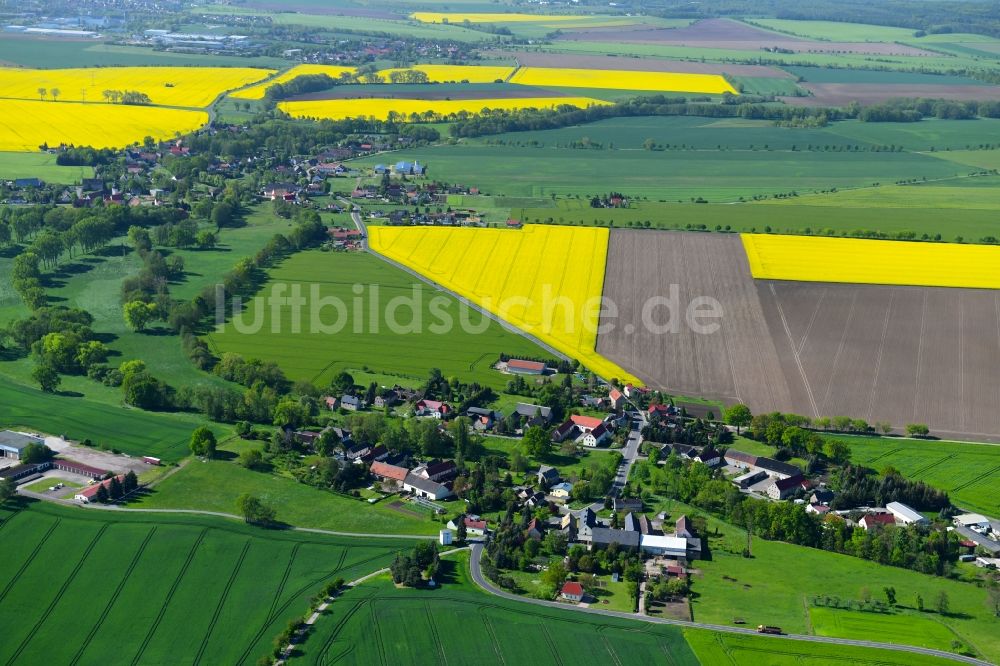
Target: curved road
[{"x": 480, "y": 580}]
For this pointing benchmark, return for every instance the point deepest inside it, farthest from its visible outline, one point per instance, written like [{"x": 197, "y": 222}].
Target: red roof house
[
  {"x": 585, "y": 423},
  {"x": 572, "y": 591}
]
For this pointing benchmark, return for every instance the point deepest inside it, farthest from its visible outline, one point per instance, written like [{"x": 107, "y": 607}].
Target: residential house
[
  {"x": 520, "y": 367},
  {"x": 623, "y": 504},
  {"x": 905, "y": 514},
  {"x": 352, "y": 403},
  {"x": 781, "y": 488},
  {"x": 432, "y": 408},
  {"x": 331, "y": 402},
  {"x": 282, "y": 191},
  {"x": 637, "y": 522},
  {"x": 388, "y": 399},
  {"x": 596, "y": 437},
  {"x": 378, "y": 453},
  {"x": 547, "y": 475},
  {"x": 616, "y": 399},
  {"x": 586, "y": 423},
  {"x": 818, "y": 509},
  {"x": 535, "y": 530},
  {"x": 870, "y": 520},
  {"x": 535, "y": 415},
  {"x": 659, "y": 412},
  {"x": 585, "y": 525},
  {"x": 482, "y": 418},
  {"x": 89, "y": 494},
  {"x": 822, "y": 496},
  {"x": 404, "y": 168},
  {"x": 682, "y": 528},
  {"x": 709, "y": 457},
  {"x": 572, "y": 591},
  {"x": 602, "y": 537},
  {"x": 421, "y": 487},
  {"x": 474, "y": 526},
  {"x": 564, "y": 431},
  {"x": 436, "y": 470},
  {"x": 561, "y": 490},
  {"x": 356, "y": 451}
]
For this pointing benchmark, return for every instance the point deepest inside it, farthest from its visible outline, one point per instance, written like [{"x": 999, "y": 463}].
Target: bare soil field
[
  {"x": 840, "y": 94},
  {"x": 727, "y": 34},
  {"x": 881, "y": 353},
  {"x": 574, "y": 61},
  {"x": 333, "y": 10}
]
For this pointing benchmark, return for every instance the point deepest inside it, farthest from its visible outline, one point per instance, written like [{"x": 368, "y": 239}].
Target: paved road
[{"x": 480, "y": 580}]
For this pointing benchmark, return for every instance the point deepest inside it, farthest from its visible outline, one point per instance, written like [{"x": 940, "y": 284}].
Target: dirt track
[{"x": 896, "y": 354}]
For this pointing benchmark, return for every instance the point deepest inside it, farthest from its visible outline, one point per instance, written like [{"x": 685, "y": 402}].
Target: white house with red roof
[
  {"x": 586, "y": 423},
  {"x": 432, "y": 408},
  {"x": 870, "y": 520},
  {"x": 616, "y": 399},
  {"x": 596, "y": 437},
  {"x": 572, "y": 591},
  {"x": 89, "y": 494}
]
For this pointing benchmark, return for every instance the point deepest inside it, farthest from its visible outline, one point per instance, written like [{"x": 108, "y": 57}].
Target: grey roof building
[{"x": 13, "y": 443}]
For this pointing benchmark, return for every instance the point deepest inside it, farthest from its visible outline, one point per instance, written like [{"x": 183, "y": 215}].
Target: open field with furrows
[
  {"x": 336, "y": 109},
  {"x": 215, "y": 485},
  {"x": 711, "y": 84},
  {"x": 42, "y": 166},
  {"x": 862, "y": 261},
  {"x": 968, "y": 472},
  {"x": 730, "y": 586},
  {"x": 459, "y": 624},
  {"x": 166, "y": 86},
  {"x": 445, "y": 91},
  {"x": 882, "y": 353},
  {"x": 317, "y": 351},
  {"x": 81, "y": 585},
  {"x": 716, "y": 175},
  {"x": 732, "y": 34},
  {"x": 27, "y": 125},
  {"x": 546, "y": 281},
  {"x": 574, "y": 61},
  {"x": 132, "y": 431},
  {"x": 257, "y": 91}
]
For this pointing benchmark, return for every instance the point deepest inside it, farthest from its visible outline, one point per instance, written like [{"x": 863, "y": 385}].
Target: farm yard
[
  {"x": 318, "y": 356},
  {"x": 966, "y": 471},
  {"x": 180, "y": 588},
  {"x": 900, "y": 354},
  {"x": 517, "y": 275}
]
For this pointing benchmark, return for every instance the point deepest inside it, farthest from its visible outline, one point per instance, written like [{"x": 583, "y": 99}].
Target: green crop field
[
  {"x": 317, "y": 356},
  {"x": 730, "y": 585},
  {"x": 718, "y": 648},
  {"x": 904, "y": 629},
  {"x": 838, "y": 75},
  {"x": 133, "y": 431},
  {"x": 980, "y": 159},
  {"x": 784, "y": 216},
  {"x": 214, "y": 486},
  {"x": 837, "y": 31},
  {"x": 80, "y": 586},
  {"x": 42, "y": 166},
  {"x": 970, "y": 193},
  {"x": 967, "y": 471},
  {"x": 717, "y": 175}
]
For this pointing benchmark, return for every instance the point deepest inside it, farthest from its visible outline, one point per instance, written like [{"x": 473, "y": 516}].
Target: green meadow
[
  {"x": 78, "y": 586},
  {"x": 42, "y": 166},
  {"x": 376, "y": 299}
]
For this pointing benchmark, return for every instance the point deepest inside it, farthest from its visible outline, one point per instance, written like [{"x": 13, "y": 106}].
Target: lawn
[
  {"x": 367, "y": 289},
  {"x": 42, "y": 166},
  {"x": 214, "y": 486},
  {"x": 569, "y": 466},
  {"x": 789, "y": 576},
  {"x": 48, "y": 482},
  {"x": 80, "y": 585},
  {"x": 132, "y": 431},
  {"x": 906, "y": 629},
  {"x": 967, "y": 471}
]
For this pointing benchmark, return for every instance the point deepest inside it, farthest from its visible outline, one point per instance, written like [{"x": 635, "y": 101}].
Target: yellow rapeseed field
[
  {"x": 257, "y": 91},
  {"x": 710, "y": 84},
  {"x": 445, "y": 17},
  {"x": 25, "y": 125},
  {"x": 446, "y": 73},
  {"x": 851, "y": 260},
  {"x": 166, "y": 86},
  {"x": 546, "y": 280},
  {"x": 338, "y": 109}
]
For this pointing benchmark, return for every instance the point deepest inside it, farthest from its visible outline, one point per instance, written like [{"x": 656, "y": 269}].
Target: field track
[{"x": 881, "y": 353}]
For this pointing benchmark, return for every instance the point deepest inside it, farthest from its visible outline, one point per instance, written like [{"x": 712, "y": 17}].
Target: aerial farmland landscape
[{"x": 509, "y": 332}]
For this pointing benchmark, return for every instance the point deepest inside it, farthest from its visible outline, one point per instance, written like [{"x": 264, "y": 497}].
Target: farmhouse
[
  {"x": 596, "y": 437},
  {"x": 436, "y": 470},
  {"x": 421, "y": 487},
  {"x": 535, "y": 414},
  {"x": 88, "y": 494},
  {"x": 547, "y": 475},
  {"x": 432, "y": 408},
  {"x": 626, "y": 504},
  {"x": 781, "y": 488},
  {"x": 870, "y": 520},
  {"x": 905, "y": 514},
  {"x": 388, "y": 472},
  {"x": 12, "y": 444},
  {"x": 519, "y": 367},
  {"x": 616, "y": 399},
  {"x": 602, "y": 537},
  {"x": 352, "y": 403}
]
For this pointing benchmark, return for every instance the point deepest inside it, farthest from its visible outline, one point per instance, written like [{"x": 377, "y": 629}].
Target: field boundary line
[
  {"x": 58, "y": 597},
  {"x": 222, "y": 602},
  {"x": 29, "y": 559},
  {"x": 114, "y": 597},
  {"x": 795, "y": 354},
  {"x": 170, "y": 595}
]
